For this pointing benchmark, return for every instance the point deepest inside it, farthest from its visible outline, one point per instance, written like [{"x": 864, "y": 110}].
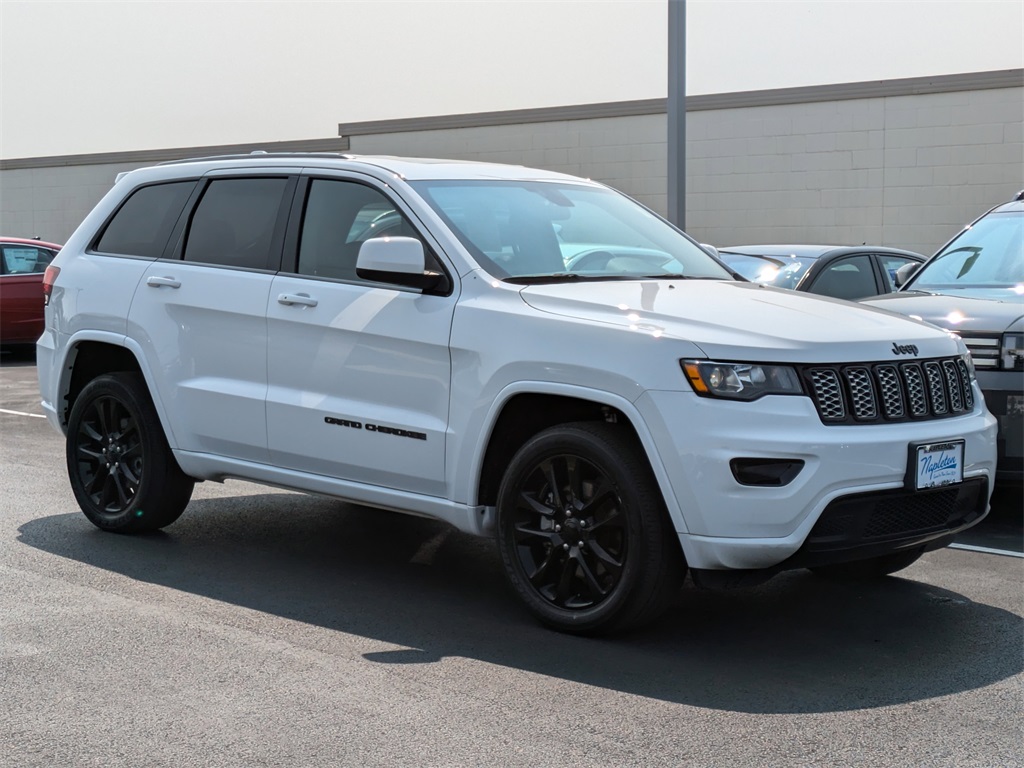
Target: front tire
[
  {"x": 121, "y": 468},
  {"x": 583, "y": 531}
]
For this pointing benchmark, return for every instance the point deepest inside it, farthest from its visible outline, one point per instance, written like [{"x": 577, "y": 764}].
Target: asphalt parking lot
[{"x": 273, "y": 628}]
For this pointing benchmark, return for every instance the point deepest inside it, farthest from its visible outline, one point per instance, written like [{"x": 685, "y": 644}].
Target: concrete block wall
[
  {"x": 900, "y": 163},
  {"x": 51, "y": 202},
  {"x": 628, "y": 153},
  {"x": 905, "y": 171}
]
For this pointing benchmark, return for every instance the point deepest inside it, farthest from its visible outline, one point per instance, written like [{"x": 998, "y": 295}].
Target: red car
[{"x": 22, "y": 263}]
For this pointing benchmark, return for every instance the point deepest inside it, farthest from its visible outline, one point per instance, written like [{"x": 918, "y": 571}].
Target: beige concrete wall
[
  {"x": 818, "y": 165},
  {"x": 51, "y": 202},
  {"x": 905, "y": 171}
]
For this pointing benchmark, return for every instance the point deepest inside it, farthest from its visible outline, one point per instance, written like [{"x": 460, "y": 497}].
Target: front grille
[
  {"x": 984, "y": 349},
  {"x": 872, "y": 518},
  {"x": 870, "y": 393}
]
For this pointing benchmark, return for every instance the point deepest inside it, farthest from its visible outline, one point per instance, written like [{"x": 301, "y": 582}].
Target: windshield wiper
[{"x": 564, "y": 277}]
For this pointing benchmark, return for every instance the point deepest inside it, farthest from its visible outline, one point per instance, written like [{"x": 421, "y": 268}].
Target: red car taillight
[{"x": 49, "y": 276}]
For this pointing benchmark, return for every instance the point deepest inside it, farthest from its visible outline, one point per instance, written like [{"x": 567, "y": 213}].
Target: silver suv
[{"x": 974, "y": 287}]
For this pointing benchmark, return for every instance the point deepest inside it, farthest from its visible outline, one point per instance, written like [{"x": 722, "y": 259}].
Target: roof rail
[{"x": 259, "y": 153}]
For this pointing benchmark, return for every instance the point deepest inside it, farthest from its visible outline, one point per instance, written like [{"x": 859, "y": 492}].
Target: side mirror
[
  {"x": 398, "y": 261},
  {"x": 711, "y": 249},
  {"x": 904, "y": 273}
]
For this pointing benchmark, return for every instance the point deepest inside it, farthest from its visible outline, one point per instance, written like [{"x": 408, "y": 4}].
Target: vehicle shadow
[
  {"x": 17, "y": 355},
  {"x": 798, "y": 644}
]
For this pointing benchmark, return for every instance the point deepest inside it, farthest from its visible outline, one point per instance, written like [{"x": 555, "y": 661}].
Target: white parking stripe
[
  {"x": 987, "y": 550},
  {"x": 20, "y": 413}
]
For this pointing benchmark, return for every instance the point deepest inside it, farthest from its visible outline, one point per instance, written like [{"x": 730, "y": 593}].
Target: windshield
[
  {"x": 525, "y": 231},
  {"x": 989, "y": 254},
  {"x": 780, "y": 271}
]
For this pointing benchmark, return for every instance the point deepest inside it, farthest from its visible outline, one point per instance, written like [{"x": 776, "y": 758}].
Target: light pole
[{"x": 677, "y": 112}]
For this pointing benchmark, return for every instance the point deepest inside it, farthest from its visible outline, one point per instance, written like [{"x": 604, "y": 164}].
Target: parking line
[
  {"x": 21, "y": 413},
  {"x": 987, "y": 550}
]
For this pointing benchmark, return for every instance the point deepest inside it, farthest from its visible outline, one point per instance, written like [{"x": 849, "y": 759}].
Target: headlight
[
  {"x": 1011, "y": 353},
  {"x": 741, "y": 381}
]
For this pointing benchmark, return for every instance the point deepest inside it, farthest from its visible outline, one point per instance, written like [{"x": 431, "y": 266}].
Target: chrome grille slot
[
  {"x": 914, "y": 378},
  {"x": 966, "y": 379},
  {"x": 862, "y": 394},
  {"x": 956, "y": 399},
  {"x": 827, "y": 394},
  {"x": 936, "y": 388},
  {"x": 892, "y": 392}
]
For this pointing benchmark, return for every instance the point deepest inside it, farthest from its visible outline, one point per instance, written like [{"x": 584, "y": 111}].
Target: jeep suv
[
  {"x": 522, "y": 354},
  {"x": 974, "y": 287}
]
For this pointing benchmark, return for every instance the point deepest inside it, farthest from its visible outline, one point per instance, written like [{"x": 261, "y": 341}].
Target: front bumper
[
  {"x": 725, "y": 525},
  {"x": 1004, "y": 397}
]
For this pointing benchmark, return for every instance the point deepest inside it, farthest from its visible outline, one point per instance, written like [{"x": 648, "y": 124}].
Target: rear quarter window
[{"x": 143, "y": 223}]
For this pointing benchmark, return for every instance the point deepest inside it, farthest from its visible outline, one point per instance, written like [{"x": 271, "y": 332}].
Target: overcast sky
[{"x": 90, "y": 76}]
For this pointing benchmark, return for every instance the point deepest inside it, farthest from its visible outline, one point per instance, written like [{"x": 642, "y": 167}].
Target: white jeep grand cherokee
[{"x": 520, "y": 353}]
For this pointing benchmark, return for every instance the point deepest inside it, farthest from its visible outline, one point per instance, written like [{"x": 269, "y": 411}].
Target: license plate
[{"x": 939, "y": 464}]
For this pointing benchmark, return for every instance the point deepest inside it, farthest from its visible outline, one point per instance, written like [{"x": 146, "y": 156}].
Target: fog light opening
[{"x": 765, "y": 472}]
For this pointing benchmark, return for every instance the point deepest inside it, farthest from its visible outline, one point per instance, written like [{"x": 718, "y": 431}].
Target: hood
[
  {"x": 979, "y": 310},
  {"x": 744, "y": 321}
]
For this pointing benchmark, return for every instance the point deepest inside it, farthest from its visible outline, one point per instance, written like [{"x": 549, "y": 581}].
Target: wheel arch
[
  {"x": 523, "y": 410},
  {"x": 91, "y": 355}
]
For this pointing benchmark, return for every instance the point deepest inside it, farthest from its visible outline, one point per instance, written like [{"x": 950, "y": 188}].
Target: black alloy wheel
[
  {"x": 570, "y": 532},
  {"x": 109, "y": 451},
  {"x": 583, "y": 531},
  {"x": 122, "y": 470}
]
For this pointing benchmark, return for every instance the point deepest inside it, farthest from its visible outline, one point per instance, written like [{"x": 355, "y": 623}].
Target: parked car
[
  {"x": 525, "y": 355},
  {"x": 22, "y": 264},
  {"x": 841, "y": 272},
  {"x": 974, "y": 287}
]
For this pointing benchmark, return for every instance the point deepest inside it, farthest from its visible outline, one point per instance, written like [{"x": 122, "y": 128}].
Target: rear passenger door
[
  {"x": 200, "y": 313},
  {"x": 359, "y": 372}
]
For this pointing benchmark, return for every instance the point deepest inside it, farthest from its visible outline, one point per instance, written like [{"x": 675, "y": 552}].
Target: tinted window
[
  {"x": 890, "y": 265},
  {"x": 233, "y": 224},
  {"x": 24, "y": 260},
  {"x": 142, "y": 225},
  {"x": 849, "y": 278},
  {"x": 340, "y": 216}
]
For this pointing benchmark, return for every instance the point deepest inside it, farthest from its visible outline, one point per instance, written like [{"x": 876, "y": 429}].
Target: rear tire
[
  {"x": 583, "y": 531},
  {"x": 121, "y": 468},
  {"x": 874, "y": 568}
]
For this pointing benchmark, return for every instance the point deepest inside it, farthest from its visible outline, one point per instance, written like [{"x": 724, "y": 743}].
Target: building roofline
[
  {"x": 1003, "y": 78},
  {"x": 155, "y": 156}
]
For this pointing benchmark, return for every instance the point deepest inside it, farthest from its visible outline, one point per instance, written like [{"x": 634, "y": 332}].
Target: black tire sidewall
[
  {"x": 606, "y": 448},
  {"x": 162, "y": 484}
]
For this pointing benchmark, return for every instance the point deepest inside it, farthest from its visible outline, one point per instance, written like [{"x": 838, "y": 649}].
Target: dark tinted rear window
[
  {"x": 142, "y": 225},
  {"x": 234, "y": 222}
]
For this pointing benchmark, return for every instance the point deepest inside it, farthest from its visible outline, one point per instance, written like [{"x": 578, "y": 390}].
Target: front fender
[{"x": 468, "y": 458}]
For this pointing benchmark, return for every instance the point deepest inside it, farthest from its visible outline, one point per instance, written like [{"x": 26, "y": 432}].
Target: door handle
[
  {"x": 163, "y": 282},
  {"x": 297, "y": 298}
]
